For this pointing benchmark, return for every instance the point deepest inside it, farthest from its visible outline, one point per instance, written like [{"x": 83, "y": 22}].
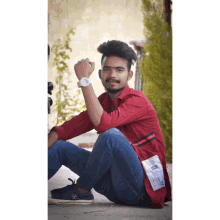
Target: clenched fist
[{"x": 84, "y": 68}]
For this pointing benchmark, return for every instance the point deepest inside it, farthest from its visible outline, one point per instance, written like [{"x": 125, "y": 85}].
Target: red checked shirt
[{"x": 133, "y": 114}]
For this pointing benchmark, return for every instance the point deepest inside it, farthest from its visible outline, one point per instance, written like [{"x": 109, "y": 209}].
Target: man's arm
[
  {"x": 84, "y": 68},
  {"x": 52, "y": 138},
  {"x": 94, "y": 108}
]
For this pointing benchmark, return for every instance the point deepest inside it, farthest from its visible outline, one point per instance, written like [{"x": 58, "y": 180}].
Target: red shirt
[{"x": 133, "y": 114}]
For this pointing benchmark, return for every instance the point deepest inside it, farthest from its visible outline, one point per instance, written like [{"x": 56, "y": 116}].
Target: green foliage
[
  {"x": 156, "y": 66},
  {"x": 66, "y": 104}
]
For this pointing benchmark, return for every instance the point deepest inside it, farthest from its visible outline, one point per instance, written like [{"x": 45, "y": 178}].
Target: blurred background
[
  {"x": 75, "y": 30},
  {"x": 94, "y": 22}
]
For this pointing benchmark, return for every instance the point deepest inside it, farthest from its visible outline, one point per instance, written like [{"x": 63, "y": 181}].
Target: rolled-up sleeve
[
  {"x": 132, "y": 109},
  {"x": 103, "y": 123}
]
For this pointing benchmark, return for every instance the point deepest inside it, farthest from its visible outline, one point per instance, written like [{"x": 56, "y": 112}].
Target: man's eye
[
  {"x": 105, "y": 69},
  {"x": 120, "y": 70}
]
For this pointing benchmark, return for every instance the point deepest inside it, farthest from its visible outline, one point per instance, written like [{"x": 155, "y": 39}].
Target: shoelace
[
  {"x": 73, "y": 182},
  {"x": 74, "y": 196}
]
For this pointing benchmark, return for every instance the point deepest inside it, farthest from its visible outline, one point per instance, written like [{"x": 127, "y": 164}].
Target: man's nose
[{"x": 113, "y": 72}]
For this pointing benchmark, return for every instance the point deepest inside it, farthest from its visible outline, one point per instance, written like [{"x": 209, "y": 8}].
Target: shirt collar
[{"x": 125, "y": 91}]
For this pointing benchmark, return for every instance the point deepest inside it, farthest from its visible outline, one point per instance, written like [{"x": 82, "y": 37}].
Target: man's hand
[
  {"x": 52, "y": 138},
  {"x": 84, "y": 68}
]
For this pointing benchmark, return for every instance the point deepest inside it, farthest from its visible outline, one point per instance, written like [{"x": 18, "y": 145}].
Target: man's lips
[{"x": 111, "y": 81}]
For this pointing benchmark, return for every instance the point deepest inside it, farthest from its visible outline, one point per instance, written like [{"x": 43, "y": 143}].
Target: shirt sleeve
[
  {"x": 132, "y": 109},
  {"x": 78, "y": 125}
]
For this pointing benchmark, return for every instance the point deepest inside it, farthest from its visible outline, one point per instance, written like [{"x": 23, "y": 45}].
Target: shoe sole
[{"x": 80, "y": 202}]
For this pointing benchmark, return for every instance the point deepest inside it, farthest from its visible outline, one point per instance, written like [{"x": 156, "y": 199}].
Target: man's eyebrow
[{"x": 114, "y": 67}]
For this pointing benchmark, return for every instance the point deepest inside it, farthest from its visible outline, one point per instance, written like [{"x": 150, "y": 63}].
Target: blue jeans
[{"x": 112, "y": 168}]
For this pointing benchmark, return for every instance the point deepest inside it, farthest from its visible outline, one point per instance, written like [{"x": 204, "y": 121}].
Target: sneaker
[{"x": 70, "y": 195}]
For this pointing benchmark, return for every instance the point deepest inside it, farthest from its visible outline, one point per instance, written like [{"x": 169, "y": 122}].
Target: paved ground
[{"x": 102, "y": 209}]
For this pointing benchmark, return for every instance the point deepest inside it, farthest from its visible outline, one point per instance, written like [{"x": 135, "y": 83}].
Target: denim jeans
[{"x": 112, "y": 168}]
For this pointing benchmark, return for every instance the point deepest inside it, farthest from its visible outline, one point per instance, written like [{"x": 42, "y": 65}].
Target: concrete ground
[{"x": 102, "y": 209}]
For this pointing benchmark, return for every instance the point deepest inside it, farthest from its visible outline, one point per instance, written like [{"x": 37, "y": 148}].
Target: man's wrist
[
  {"x": 82, "y": 77},
  {"x": 84, "y": 82}
]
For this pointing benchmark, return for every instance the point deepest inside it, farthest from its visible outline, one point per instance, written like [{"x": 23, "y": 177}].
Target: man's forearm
[{"x": 93, "y": 105}]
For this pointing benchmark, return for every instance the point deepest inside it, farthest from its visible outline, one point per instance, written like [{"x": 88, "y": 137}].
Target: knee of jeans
[
  {"x": 109, "y": 133},
  {"x": 58, "y": 145},
  {"x": 112, "y": 131},
  {"x": 112, "y": 134}
]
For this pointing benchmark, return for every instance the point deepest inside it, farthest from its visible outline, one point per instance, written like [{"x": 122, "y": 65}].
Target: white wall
[{"x": 94, "y": 22}]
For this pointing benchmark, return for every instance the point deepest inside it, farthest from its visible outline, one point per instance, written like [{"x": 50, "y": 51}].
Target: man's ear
[
  {"x": 130, "y": 74},
  {"x": 100, "y": 74}
]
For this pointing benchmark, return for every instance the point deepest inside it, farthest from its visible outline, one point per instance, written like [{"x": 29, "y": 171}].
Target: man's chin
[{"x": 113, "y": 91}]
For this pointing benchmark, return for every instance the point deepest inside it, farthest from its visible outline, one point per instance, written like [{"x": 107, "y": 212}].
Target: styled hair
[{"x": 119, "y": 49}]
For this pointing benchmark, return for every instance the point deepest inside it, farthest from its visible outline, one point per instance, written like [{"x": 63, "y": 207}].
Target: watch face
[{"x": 83, "y": 81}]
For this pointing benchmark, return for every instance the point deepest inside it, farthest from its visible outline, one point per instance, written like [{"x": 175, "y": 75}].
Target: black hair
[{"x": 118, "y": 48}]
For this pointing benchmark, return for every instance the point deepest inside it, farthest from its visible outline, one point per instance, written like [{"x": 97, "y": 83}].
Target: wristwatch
[{"x": 84, "y": 82}]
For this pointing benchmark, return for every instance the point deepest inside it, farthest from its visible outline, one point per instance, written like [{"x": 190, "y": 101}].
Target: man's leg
[
  {"x": 75, "y": 158},
  {"x": 67, "y": 154},
  {"x": 114, "y": 169}
]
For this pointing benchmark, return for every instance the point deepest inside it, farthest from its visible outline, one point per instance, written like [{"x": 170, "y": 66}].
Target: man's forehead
[{"x": 114, "y": 61}]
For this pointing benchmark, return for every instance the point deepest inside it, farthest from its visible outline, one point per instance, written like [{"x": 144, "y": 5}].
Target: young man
[{"x": 128, "y": 161}]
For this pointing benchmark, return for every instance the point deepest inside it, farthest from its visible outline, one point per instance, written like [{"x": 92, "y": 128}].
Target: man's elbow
[
  {"x": 97, "y": 123},
  {"x": 100, "y": 127}
]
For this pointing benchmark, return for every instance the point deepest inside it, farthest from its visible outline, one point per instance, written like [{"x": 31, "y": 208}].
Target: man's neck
[{"x": 114, "y": 96}]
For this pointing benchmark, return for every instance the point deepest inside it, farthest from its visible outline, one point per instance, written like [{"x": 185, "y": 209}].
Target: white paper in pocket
[{"x": 154, "y": 171}]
